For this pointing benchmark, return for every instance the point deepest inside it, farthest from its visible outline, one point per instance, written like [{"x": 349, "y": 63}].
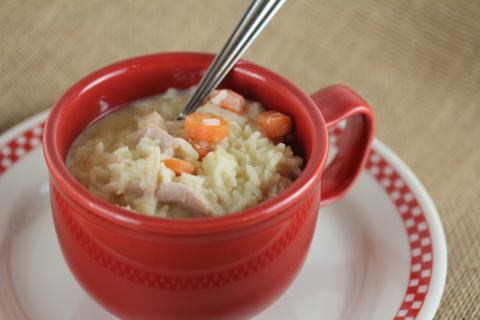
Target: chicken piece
[
  {"x": 155, "y": 127},
  {"x": 178, "y": 146},
  {"x": 165, "y": 140},
  {"x": 152, "y": 120},
  {"x": 175, "y": 128},
  {"x": 185, "y": 197}
]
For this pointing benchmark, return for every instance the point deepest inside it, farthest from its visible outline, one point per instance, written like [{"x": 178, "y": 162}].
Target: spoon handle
[{"x": 256, "y": 17}]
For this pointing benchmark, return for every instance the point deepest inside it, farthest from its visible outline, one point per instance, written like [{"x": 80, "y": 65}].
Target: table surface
[{"x": 416, "y": 62}]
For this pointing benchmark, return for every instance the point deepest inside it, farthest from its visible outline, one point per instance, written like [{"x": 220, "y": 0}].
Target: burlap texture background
[{"x": 416, "y": 62}]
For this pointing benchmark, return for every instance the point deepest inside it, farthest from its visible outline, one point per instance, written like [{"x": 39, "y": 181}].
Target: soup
[{"x": 229, "y": 155}]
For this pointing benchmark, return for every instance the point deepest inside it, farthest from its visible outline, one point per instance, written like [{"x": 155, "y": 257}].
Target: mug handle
[{"x": 338, "y": 103}]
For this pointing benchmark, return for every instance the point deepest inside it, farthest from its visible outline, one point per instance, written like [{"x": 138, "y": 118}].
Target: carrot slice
[
  {"x": 274, "y": 124},
  {"x": 179, "y": 166},
  {"x": 202, "y": 147},
  {"x": 229, "y": 100},
  {"x": 205, "y": 127}
]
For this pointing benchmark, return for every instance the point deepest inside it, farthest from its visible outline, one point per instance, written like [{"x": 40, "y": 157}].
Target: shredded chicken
[{"x": 183, "y": 196}]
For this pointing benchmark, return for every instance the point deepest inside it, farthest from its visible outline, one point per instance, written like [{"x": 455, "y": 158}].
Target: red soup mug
[{"x": 230, "y": 267}]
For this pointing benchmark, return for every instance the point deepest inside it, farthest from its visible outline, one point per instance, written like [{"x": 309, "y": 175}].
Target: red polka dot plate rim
[{"x": 379, "y": 253}]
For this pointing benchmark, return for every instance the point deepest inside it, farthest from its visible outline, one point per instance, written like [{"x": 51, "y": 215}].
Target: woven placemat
[{"x": 416, "y": 62}]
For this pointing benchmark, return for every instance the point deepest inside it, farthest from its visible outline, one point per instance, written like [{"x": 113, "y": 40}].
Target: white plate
[{"x": 379, "y": 253}]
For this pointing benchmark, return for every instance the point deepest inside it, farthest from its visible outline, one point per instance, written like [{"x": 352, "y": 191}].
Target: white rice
[{"x": 115, "y": 163}]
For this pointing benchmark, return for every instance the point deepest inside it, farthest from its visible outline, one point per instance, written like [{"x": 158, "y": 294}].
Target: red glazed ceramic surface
[
  {"x": 231, "y": 267},
  {"x": 420, "y": 292}
]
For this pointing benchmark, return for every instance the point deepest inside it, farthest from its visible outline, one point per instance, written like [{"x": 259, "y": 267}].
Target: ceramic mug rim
[{"x": 106, "y": 212}]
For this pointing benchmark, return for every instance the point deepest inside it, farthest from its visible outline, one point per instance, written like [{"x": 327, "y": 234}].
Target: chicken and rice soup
[{"x": 227, "y": 156}]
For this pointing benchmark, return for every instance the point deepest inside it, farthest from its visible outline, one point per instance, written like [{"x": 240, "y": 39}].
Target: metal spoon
[{"x": 256, "y": 17}]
